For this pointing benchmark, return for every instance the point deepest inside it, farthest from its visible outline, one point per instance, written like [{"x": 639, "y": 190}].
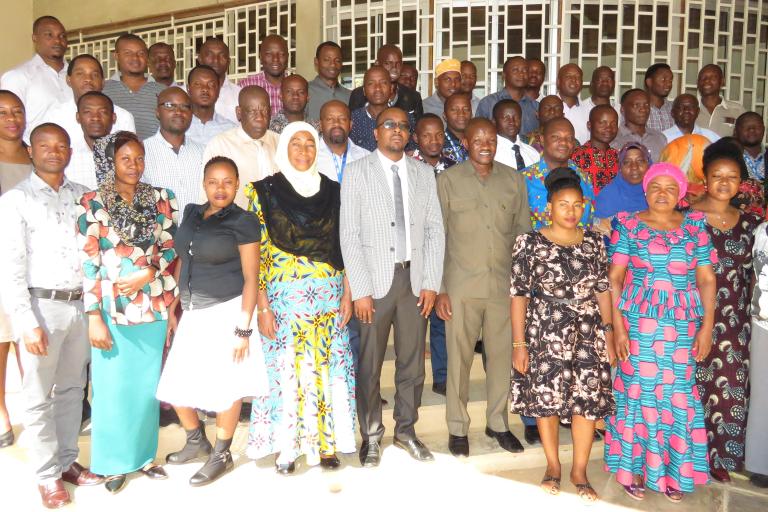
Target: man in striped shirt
[
  {"x": 171, "y": 159},
  {"x": 131, "y": 89}
]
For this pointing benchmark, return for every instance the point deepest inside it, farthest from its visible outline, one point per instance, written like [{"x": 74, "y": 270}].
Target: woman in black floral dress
[
  {"x": 722, "y": 378},
  {"x": 561, "y": 330}
]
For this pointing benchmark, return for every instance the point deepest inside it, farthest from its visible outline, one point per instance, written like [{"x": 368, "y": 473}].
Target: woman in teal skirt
[{"x": 126, "y": 230}]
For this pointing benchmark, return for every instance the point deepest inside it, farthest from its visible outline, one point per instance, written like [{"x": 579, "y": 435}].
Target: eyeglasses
[
  {"x": 391, "y": 125},
  {"x": 182, "y": 107}
]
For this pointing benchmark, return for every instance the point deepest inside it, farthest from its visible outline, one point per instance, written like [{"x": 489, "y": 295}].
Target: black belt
[
  {"x": 568, "y": 302},
  {"x": 60, "y": 295},
  {"x": 402, "y": 264}
]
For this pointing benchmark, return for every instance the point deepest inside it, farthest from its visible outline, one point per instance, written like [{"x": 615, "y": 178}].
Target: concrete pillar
[
  {"x": 309, "y": 33},
  {"x": 17, "y": 33}
]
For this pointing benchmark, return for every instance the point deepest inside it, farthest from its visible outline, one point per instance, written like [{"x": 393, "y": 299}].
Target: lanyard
[{"x": 340, "y": 168}]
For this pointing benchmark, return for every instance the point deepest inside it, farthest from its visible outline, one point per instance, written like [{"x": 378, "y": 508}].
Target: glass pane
[
  {"x": 645, "y": 28},
  {"x": 627, "y": 42},
  {"x": 590, "y": 40},
  {"x": 533, "y": 51},
  {"x": 575, "y": 27},
  {"x": 515, "y": 43},
  {"x": 661, "y": 42},
  {"x": 533, "y": 26},
  {"x": 693, "y": 40},
  {"x": 709, "y": 31},
  {"x": 609, "y": 26},
  {"x": 608, "y": 55},
  {"x": 592, "y": 14}
]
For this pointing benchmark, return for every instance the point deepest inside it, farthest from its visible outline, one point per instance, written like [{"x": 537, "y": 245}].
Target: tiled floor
[{"x": 490, "y": 479}]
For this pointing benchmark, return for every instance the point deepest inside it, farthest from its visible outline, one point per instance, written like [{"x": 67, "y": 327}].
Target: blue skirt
[{"x": 125, "y": 412}]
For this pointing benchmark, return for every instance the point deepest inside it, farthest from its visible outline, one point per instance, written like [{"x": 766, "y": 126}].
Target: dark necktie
[
  {"x": 518, "y": 157},
  {"x": 397, "y": 195}
]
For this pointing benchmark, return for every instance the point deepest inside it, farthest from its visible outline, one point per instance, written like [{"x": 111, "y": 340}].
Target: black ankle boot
[
  {"x": 218, "y": 463},
  {"x": 197, "y": 447}
]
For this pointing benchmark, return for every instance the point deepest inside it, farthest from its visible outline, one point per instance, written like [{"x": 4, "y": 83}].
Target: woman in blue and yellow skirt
[
  {"x": 125, "y": 229},
  {"x": 303, "y": 307}
]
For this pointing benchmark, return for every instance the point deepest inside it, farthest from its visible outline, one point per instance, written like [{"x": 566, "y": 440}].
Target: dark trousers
[
  {"x": 396, "y": 309},
  {"x": 438, "y": 353}
]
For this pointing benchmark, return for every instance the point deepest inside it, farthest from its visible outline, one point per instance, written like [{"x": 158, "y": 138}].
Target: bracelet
[
  {"x": 263, "y": 310},
  {"x": 519, "y": 344},
  {"x": 243, "y": 333}
]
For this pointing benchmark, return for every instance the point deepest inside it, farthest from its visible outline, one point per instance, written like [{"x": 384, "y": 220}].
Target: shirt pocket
[
  {"x": 504, "y": 213},
  {"x": 463, "y": 214}
]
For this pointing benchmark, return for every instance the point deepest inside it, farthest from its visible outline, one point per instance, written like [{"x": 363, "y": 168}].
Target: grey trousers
[
  {"x": 756, "y": 448},
  {"x": 398, "y": 309},
  {"x": 53, "y": 387},
  {"x": 471, "y": 317}
]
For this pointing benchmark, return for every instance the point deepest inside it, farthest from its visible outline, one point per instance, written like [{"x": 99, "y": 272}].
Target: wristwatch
[{"x": 607, "y": 327}]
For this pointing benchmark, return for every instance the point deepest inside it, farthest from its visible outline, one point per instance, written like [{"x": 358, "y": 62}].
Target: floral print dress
[
  {"x": 569, "y": 370},
  {"x": 722, "y": 378},
  {"x": 310, "y": 409}
]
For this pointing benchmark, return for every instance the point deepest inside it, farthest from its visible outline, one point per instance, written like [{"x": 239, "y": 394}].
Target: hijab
[
  {"x": 306, "y": 183},
  {"x": 620, "y": 195},
  {"x": 133, "y": 222}
]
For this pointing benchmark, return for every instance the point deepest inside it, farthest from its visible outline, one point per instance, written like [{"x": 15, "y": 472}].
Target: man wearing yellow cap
[{"x": 447, "y": 83}]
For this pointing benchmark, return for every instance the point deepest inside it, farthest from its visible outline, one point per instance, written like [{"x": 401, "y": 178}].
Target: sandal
[
  {"x": 636, "y": 492},
  {"x": 553, "y": 489},
  {"x": 673, "y": 495},
  {"x": 586, "y": 492}
]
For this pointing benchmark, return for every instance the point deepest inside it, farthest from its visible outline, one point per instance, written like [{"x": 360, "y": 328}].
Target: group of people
[{"x": 611, "y": 258}]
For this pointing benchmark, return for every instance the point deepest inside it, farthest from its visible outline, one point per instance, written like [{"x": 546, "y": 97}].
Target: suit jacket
[
  {"x": 368, "y": 235},
  {"x": 407, "y": 99}
]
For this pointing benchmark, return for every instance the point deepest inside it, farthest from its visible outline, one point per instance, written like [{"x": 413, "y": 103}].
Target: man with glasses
[
  {"x": 251, "y": 145},
  {"x": 172, "y": 160},
  {"x": 393, "y": 242},
  {"x": 130, "y": 88}
]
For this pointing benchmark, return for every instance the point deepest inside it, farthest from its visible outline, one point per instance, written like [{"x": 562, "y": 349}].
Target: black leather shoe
[
  {"x": 458, "y": 445},
  {"x": 439, "y": 388},
  {"x": 217, "y": 465},
  {"x": 115, "y": 483},
  {"x": 330, "y": 463},
  {"x": 506, "y": 440},
  {"x": 415, "y": 449},
  {"x": 285, "y": 469},
  {"x": 532, "y": 434},
  {"x": 370, "y": 454},
  {"x": 155, "y": 472},
  {"x": 7, "y": 439},
  {"x": 197, "y": 447},
  {"x": 759, "y": 480}
]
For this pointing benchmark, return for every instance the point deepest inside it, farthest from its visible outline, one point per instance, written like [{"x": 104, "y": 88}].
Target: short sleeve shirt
[{"x": 211, "y": 272}]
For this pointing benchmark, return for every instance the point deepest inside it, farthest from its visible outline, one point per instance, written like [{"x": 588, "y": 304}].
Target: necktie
[
  {"x": 518, "y": 157},
  {"x": 397, "y": 194}
]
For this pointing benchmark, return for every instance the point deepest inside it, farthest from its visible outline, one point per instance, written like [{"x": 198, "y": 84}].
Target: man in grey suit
[{"x": 392, "y": 240}]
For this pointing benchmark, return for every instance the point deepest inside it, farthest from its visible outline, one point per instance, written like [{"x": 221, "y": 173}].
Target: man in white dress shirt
[
  {"x": 162, "y": 64},
  {"x": 41, "y": 82},
  {"x": 336, "y": 151},
  {"x": 203, "y": 88},
  {"x": 171, "y": 159},
  {"x": 85, "y": 74},
  {"x": 570, "y": 79},
  {"x": 95, "y": 117},
  {"x": 510, "y": 149},
  {"x": 685, "y": 111},
  {"x": 215, "y": 53},
  {"x": 601, "y": 88},
  {"x": 251, "y": 145},
  {"x": 42, "y": 280}
]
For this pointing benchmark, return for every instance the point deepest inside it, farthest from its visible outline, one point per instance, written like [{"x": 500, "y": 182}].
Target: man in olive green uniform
[{"x": 485, "y": 207}]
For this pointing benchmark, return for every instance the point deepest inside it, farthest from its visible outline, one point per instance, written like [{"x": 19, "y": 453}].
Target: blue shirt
[
  {"x": 537, "y": 194},
  {"x": 454, "y": 149},
  {"x": 530, "y": 108}
]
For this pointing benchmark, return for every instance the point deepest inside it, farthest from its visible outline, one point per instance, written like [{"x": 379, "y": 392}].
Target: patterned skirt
[
  {"x": 658, "y": 429},
  {"x": 310, "y": 409}
]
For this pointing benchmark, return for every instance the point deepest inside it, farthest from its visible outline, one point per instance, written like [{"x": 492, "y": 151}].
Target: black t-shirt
[{"x": 210, "y": 258}]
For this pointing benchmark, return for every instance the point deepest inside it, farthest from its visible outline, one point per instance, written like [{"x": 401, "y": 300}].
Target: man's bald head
[
  {"x": 172, "y": 93},
  {"x": 293, "y": 81},
  {"x": 251, "y": 92},
  {"x": 333, "y": 105},
  {"x": 556, "y": 124},
  {"x": 479, "y": 123}
]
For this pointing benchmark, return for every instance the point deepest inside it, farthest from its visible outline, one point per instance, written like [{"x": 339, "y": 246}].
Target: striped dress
[{"x": 658, "y": 429}]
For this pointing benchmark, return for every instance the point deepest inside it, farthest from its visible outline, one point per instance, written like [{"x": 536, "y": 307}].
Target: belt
[
  {"x": 60, "y": 295},
  {"x": 402, "y": 264},
  {"x": 568, "y": 302}
]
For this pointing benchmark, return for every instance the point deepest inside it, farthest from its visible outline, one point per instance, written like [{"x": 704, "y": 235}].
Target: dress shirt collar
[
  {"x": 322, "y": 83},
  {"x": 242, "y": 135},
  {"x": 387, "y": 163},
  {"x": 38, "y": 62},
  {"x": 167, "y": 144},
  {"x": 40, "y": 185},
  {"x": 565, "y": 105}
]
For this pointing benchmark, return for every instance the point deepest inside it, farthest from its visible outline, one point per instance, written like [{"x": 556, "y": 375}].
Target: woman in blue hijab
[{"x": 625, "y": 192}]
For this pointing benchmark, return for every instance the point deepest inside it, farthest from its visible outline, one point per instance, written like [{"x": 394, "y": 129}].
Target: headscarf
[
  {"x": 666, "y": 169},
  {"x": 134, "y": 223},
  {"x": 306, "y": 183},
  {"x": 620, "y": 195}
]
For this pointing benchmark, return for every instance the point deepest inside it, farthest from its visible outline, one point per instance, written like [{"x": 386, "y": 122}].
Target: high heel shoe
[
  {"x": 115, "y": 483},
  {"x": 7, "y": 439}
]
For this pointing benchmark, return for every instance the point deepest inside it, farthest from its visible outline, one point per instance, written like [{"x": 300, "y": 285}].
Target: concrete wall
[{"x": 16, "y": 35}]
